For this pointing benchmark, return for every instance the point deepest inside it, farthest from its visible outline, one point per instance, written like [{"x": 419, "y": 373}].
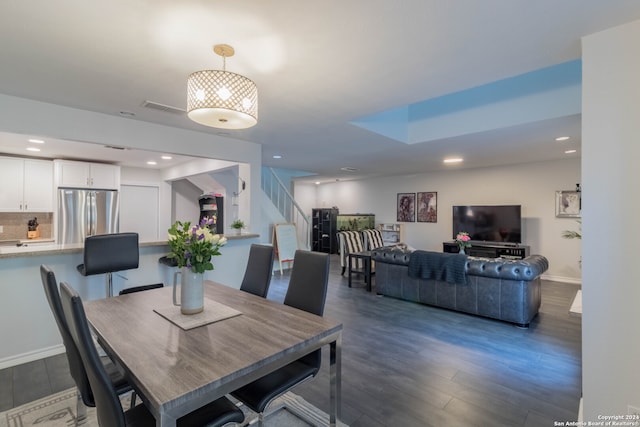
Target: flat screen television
[{"x": 489, "y": 223}]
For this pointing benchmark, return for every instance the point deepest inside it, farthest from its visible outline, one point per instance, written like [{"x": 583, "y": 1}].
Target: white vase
[
  {"x": 191, "y": 291},
  {"x": 461, "y": 251}
]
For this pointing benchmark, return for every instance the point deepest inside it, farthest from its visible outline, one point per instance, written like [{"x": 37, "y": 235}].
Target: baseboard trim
[
  {"x": 31, "y": 356},
  {"x": 562, "y": 279}
]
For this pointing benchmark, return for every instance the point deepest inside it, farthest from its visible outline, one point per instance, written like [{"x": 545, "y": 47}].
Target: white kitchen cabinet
[
  {"x": 27, "y": 185},
  {"x": 87, "y": 175}
]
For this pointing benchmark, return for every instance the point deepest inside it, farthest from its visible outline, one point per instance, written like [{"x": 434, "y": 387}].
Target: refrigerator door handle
[{"x": 91, "y": 223}]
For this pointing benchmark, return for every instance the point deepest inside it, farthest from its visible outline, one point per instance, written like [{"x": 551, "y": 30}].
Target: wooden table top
[{"x": 177, "y": 370}]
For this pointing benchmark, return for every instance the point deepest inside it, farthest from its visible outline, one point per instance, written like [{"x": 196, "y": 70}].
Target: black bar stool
[{"x": 109, "y": 253}]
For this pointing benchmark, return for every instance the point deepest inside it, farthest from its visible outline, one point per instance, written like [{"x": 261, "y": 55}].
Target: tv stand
[{"x": 489, "y": 249}]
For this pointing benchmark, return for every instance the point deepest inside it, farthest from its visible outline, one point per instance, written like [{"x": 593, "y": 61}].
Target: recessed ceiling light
[
  {"x": 453, "y": 160},
  {"x": 277, "y": 156},
  {"x": 349, "y": 169},
  {"x": 167, "y": 157},
  {"x": 570, "y": 151},
  {"x": 32, "y": 149},
  {"x": 317, "y": 182},
  {"x": 151, "y": 162},
  {"x": 36, "y": 141},
  {"x": 562, "y": 138}
]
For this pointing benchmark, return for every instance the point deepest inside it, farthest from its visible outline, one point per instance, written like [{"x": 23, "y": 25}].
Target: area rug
[{"x": 59, "y": 410}]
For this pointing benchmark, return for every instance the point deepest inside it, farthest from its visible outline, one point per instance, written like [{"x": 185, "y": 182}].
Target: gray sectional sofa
[{"x": 503, "y": 289}]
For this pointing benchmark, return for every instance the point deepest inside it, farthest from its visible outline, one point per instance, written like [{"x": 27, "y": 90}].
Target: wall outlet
[{"x": 633, "y": 410}]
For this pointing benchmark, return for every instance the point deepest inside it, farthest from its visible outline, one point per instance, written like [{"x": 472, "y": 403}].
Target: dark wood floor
[{"x": 407, "y": 364}]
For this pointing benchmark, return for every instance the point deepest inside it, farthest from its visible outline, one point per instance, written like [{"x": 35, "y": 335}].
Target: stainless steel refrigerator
[{"x": 83, "y": 213}]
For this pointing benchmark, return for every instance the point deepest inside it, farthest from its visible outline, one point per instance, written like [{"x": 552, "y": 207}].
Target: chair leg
[
  {"x": 109, "y": 285},
  {"x": 133, "y": 400},
  {"x": 343, "y": 270},
  {"x": 81, "y": 410}
]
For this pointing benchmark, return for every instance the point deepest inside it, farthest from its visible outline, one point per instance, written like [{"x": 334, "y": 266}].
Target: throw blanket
[{"x": 438, "y": 266}]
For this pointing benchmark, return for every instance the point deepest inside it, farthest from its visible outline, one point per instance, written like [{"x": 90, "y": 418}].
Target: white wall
[
  {"x": 611, "y": 287},
  {"x": 185, "y": 203},
  {"x": 531, "y": 185}
]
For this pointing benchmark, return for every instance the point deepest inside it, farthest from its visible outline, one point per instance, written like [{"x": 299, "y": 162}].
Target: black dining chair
[
  {"x": 307, "y": 291},
  {"x": 140, "y": 288},
  {"x": 76, "y": 368},
  {"x": 108, "y": 407},
  {"x": 257, "y": 275}
]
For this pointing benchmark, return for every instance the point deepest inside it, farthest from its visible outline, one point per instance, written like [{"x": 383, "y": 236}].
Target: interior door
[{"x": 139, "y": 211}]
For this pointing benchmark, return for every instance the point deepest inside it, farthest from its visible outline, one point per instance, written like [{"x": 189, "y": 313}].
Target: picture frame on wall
[
  {"x": 568, "y": 204},
  {"x": 427, "y": 206},
  {"x": 406, "y": 211}
]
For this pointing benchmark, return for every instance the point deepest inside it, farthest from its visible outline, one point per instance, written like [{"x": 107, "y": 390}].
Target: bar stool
[{"x": 109, "y": 253}]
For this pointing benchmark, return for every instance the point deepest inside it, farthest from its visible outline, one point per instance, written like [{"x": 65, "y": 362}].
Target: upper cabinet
[
  {"x": 27, "y": 185},
  {"x": 87, "y": 175}
]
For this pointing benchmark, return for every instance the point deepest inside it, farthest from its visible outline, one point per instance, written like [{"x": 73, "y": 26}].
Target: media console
[{"x": 489, "y": 250}]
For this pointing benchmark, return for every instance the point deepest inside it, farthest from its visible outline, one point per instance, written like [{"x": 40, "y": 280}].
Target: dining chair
[
  {"x": 109, "y": 253},
  {"x": 257, "y": 275},
  {"x": 349, "y": 242},
  {"x": 76, "y": 368},
  {"x": 372, "y": 239},
  {"x": 140, "y": 288},
  {"x": 108, "y": 407},
  {"x": 307, "y": 291}
]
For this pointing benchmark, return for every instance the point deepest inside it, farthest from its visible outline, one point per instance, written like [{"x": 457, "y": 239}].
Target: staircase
[{"x": 283, "y": 201}]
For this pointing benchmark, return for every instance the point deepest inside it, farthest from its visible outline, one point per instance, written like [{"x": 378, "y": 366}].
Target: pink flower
[{"x": 463, "y": 239}]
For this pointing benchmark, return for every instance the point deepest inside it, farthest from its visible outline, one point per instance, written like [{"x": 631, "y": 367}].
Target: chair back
[
  {"x": 349, "y": 242},
  {"x": 106, "y": 253},
  {"x": 372, "y": 239},
  {"x": 76, "y": 367},
  {"x": 308, "y": 284},
  {"x": 257, "y": 276},
  {"x": 308, "y": 291},
  {"x": 108, "y": 408}
]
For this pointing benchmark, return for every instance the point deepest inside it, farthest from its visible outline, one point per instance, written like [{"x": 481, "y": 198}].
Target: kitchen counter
[{"x": 48, "y": 247}]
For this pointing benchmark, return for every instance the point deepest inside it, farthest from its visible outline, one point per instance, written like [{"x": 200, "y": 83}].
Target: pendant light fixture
[{"x": 221, "y": 99}]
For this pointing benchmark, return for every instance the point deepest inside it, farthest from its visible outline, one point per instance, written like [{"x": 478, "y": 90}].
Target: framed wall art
[
  {"x": 568, "y": 204},
  {"x": 427, "y": 206},
  {"x": 406, "y": 210}
]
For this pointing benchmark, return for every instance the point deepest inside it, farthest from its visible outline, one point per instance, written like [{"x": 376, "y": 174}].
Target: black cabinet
[
  {"x": 489, "y": 250},
  {"x": 323, "y": 230}
]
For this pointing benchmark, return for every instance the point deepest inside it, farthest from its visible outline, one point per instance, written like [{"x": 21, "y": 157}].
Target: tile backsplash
[{"x": 14, "y": 225}]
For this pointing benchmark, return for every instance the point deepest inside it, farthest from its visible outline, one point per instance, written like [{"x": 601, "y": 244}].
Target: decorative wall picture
[
  {"x": 428, "y": 207},
  {"x": 406, "y": 207},
  {"x": 568, "y": 204}
]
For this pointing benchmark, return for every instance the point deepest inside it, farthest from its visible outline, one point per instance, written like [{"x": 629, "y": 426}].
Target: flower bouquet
[
  {"x": 463, "y": 240},
  {"x": 193, "y": 246}
]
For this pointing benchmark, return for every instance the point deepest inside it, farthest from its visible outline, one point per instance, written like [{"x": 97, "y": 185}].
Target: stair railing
[{"x": 286, "y": 205}]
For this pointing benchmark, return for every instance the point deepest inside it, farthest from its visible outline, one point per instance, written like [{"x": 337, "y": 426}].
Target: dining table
[{"x": 177, "y": 365}]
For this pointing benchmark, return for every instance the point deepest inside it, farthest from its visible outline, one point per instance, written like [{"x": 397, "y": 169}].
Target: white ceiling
[{"x": 318, "y": 66}]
